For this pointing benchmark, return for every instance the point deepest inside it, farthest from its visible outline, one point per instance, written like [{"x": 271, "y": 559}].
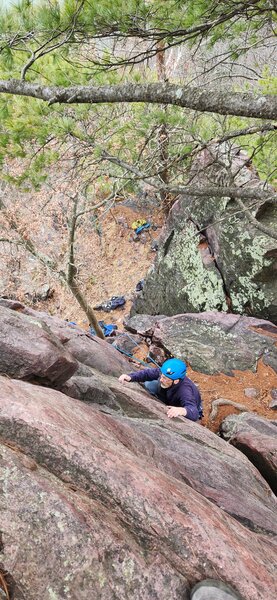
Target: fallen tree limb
[{"x": 225, "y": 402}]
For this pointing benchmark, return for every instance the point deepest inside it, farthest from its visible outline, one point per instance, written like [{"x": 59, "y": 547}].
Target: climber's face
[{"x": 165, "y": 381}]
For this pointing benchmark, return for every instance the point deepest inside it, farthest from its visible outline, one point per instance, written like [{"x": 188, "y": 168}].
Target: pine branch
[{"x": 195, "y": 98}]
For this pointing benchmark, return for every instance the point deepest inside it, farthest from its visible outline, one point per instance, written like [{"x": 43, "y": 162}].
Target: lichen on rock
[{"x": 237, "y": 269}]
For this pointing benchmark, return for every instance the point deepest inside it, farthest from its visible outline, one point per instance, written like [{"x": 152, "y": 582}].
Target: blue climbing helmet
[{"x": 173, "y": 368}]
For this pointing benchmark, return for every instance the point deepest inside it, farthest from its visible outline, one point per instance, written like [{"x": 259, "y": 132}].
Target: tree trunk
[
  {"x": 92, "y": 319},
  {"x": 72, "y": 270}
]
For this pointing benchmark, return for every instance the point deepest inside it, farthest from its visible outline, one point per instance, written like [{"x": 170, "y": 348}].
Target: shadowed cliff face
[
  {"x": 108, "y": 498},
  {"x": 229, "y": 265}
]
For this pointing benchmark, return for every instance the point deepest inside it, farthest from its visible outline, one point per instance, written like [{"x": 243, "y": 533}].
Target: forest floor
[{"x": 119, "y": 259}]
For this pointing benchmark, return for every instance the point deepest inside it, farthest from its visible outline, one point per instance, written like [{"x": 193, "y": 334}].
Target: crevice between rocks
[
  {"x": 168, "y": 242},
  {"x": 261, "y": 465},
  {"x": 250, "y": 525}
]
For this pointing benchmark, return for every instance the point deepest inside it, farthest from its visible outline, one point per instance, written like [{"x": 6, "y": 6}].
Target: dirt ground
[
  {"x": 111, "y": 261},
  {"x": 232, "y": 388},
  {"x": 119, "y": 260}
]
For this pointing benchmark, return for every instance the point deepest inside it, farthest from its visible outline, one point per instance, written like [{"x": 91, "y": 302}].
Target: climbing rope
[{"x": 131, "y": 355}]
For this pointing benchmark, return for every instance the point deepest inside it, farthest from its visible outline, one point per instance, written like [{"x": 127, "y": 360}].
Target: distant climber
[{"x": 171, "y": 385}]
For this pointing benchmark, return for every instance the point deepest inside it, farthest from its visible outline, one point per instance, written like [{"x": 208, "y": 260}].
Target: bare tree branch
[
  {"x": 241, "y": 132},
  {"x": 200, "y": 99},
  {"x": 211, "y": 191},
  {"x": 194, "y": 190},
  {"x": 219, "y": 140},
  {"x": 47, "y": 262},
  {"x": 267, "y": 230}
]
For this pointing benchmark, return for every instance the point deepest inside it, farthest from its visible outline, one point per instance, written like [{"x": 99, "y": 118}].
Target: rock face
[
  {"x": 30, "y": 351},
  {"x": 50, "y": 336},
  {"x": 257, "y": 439},
  {"x": 102, "y": 496},
  {"x": 212, "y": 342},
  {"x": 143, "y": 324},
  {"x": 97, "y": 504},
  {"x": 233, "y": 263},
  {"x": 89, "y": 389}
]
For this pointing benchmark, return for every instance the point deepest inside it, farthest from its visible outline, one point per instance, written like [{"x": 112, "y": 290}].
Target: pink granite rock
[
  {"x": 257, "y": 439},
  {"x": 100, "y": 507},
  {"x": 31, "y": 351}
]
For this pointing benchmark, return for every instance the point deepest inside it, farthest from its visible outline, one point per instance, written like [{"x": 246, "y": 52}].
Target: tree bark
[
  {"x": 71, "y": 273},
  {"x": 73, "y": 286},
  {"x": 243, "y": 104}
]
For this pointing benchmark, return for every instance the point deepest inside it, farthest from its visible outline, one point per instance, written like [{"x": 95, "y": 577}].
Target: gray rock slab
[
  {"x": 237, "y": 264},
  {"x": 214, "y": 342},
  {"x": 142, "y": 324}
]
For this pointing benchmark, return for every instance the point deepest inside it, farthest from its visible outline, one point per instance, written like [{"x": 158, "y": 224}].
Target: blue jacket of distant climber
[{"x": 185, "y": 393}]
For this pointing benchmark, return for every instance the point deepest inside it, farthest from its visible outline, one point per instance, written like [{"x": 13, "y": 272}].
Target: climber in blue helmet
[{"x": 171, "y": 385}]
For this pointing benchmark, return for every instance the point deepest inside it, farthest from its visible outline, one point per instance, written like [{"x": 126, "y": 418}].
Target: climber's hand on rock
[
  {"x": 176, "y": 411},
  {"x": 124, "y": 378}
]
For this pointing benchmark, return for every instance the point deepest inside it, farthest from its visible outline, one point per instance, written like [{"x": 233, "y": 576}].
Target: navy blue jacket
[{"x": 185, "y": 393}]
